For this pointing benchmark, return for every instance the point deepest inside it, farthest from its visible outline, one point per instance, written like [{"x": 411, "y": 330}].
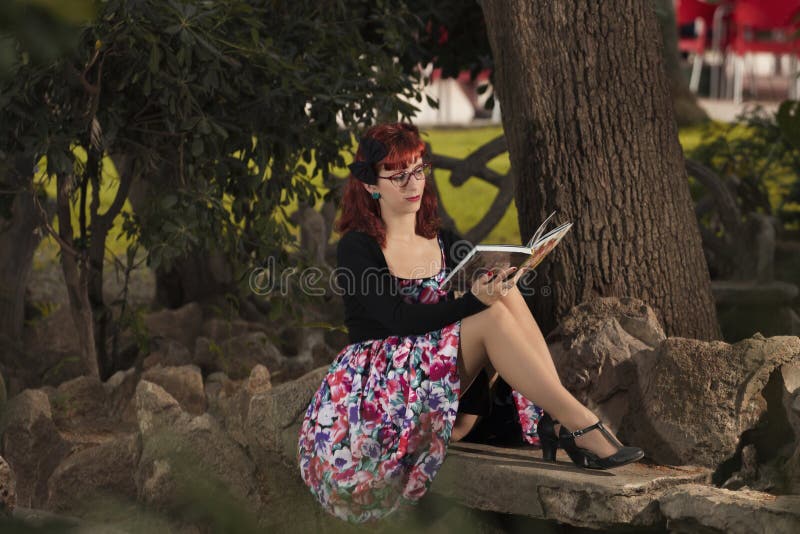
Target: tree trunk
[
  {"x": 590, "y": 129},
  {"x": 18, "y": 241},
  {"x": 76, "y": 276},
  {"x": 99, "y": 227}
]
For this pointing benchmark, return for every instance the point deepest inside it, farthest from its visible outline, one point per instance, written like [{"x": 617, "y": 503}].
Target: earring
[{"x": 376, "y": 195}]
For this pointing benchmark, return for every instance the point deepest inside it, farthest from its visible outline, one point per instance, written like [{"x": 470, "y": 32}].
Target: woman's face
[{"x": 401, "y": 199}]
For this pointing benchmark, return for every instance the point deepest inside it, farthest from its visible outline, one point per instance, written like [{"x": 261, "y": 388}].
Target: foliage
[
  {"x": 758, "y": 156},
  {"x": 211, "y": 113},
  {"x": 45, "y": 29},
  {"x": 215, "y": 98}
]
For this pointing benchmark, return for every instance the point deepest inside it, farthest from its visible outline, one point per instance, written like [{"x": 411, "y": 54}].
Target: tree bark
[
  {"x": 74, "y": 263},
  {"x": 591, "y": 133},
  {"x": 18, "y": 242},
  {"x": 100, "y": 225}
]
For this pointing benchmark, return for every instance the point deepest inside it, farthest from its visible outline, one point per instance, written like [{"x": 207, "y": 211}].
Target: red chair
[
  {"x": 764, "y": 26},
  {"x": 701, "y": 15}
]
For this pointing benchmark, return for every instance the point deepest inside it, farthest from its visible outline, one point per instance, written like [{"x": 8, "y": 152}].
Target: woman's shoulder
[
  {"x": 357, "y": 242},
  {"x": 353, "y": 237}
]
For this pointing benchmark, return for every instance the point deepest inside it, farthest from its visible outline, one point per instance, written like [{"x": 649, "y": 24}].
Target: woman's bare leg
[
  {"x": 528, "y": 326},
  {"x": 462, "y": 426},
  {"x": 515, "y": 302},
  {"x": 494, "y": 334}
]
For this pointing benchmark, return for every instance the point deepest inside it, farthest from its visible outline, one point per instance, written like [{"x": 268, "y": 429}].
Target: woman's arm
[{"x": 363, "y": 275}]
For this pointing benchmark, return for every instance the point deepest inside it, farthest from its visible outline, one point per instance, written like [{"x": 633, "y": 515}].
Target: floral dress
[{"x": 376, "y": 431}]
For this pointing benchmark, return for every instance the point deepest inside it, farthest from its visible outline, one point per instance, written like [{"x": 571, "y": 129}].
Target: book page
[
  {"x": 546, "y": 245},
  {"x": 481, "y": 262},
  {"x": 485, "y": 258},
  {"x": 539, "y": 231}
]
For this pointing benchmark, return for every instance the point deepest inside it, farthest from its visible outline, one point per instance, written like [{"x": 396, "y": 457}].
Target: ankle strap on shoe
[
  {"x": 584, "y": 430},
  {"x": 598, "y": 424}
]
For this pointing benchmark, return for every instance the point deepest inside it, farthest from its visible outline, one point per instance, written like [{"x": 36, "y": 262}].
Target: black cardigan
[{"x": 375, "y": 310}]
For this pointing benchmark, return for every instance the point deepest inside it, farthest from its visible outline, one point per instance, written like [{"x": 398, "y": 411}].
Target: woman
[{"x": 376, "y": 431}]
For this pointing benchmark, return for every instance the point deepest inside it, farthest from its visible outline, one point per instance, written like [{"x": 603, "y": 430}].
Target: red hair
[{"x": 362, "y": 212}]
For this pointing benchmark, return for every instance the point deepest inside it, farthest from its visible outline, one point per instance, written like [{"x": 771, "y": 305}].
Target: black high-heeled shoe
[
  {"x": 586, "y": 458},
  {"x": 547, "y": 436}
]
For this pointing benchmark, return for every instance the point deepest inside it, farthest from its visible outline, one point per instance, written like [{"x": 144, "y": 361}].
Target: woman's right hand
[{"x": 491, "y": 290}]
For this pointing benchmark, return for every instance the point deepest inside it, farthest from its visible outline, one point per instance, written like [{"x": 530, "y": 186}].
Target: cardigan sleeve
[{"x": 362, "y": 274}]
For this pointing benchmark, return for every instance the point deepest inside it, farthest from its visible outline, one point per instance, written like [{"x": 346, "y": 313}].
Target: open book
[{"x": 483, "y": 258}]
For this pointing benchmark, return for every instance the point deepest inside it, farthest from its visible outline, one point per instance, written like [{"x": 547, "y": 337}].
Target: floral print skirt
[{"x": 376, "y": 431}]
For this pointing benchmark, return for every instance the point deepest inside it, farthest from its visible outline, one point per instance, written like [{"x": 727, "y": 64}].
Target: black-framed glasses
[{"x": 401, "y": 179}]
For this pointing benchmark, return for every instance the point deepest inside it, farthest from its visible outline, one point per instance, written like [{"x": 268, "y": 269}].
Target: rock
[
  {"x": 792, "y": 468},
  {"x": 32, "y": 445},
  {"x": 103, "y": 470},
  {"x": 183, "y": 325},
  {"x": 696, "y": 508},
  {"x": 696, "y": 398},
  {"x": 258, "y": 381},
  {"x": 120, "y": 388},
  {"x": 218, "y": 385},
  {"x": 232, "y": 401},
  {"x": 272, "y": 430},
  {"x": 154, "y": 406},
  {"x": 789, "y": 375},
  {"x": 8, "y": 489},
  {"x": 167, "y": 353},
  {"x": 220, "y": 330},
  {"x": 517, "y": 481},
  {"x": 322, "y": 354},
  {"x": 593, "y": 348},
  {"x": 81, "y": 403},
  {"x": 184, "y": 383},
  {"x": 237, "y": 356},
  {"x": 749, "y": 471},
  {"x": 274, "y": 417},
  {"x": 49, "y": 332},
  {"x": 53, "y": 350},
  {"x": 182, "y": 453}
]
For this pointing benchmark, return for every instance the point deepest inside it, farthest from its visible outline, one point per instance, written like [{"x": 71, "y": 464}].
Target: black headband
[{"x": 373, "y": 152}]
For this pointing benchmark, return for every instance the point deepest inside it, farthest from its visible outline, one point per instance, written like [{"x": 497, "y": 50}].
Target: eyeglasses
[{"x": 401, "y": 179}]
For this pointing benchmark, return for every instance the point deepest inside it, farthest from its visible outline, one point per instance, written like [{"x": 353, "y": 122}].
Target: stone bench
[{"x": 515, "y": 480}]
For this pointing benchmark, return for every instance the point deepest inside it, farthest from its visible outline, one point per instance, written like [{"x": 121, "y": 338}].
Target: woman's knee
[
  {"x": 499, "y": 311},
  {"x": 480, "y": 324}
]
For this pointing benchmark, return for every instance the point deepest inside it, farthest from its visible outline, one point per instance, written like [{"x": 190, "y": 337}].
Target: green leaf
[
  {"x": 155, "y": 58},
  {"x": 197, "y": 147},
  {"x": 168, "y": 201}
]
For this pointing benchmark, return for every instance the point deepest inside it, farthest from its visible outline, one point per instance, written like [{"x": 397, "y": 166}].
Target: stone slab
[{"x": 515, "y": 480}]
